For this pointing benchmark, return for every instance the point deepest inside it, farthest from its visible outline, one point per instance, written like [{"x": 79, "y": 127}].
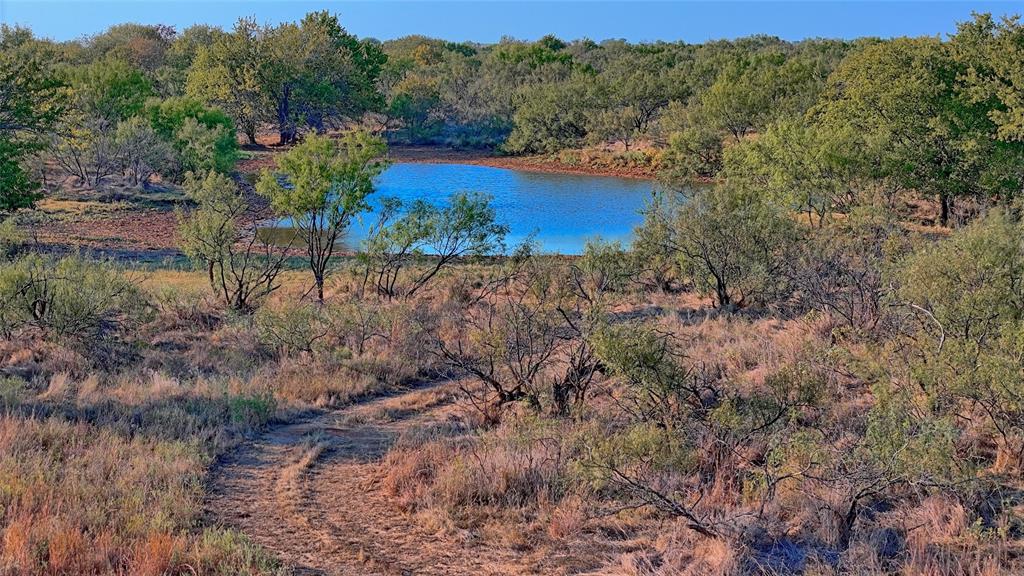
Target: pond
[{"x": 561, "y": 211}]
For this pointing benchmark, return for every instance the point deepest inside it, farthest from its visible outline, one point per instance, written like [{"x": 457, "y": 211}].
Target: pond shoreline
[{"x": 543, "y": 164}]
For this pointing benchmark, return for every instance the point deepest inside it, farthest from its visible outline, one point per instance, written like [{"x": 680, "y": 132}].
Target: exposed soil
[
  {"x": 311, "y": 493},
  {"x": 138, "y": 230},
  {"x": 442, "y": 155}
]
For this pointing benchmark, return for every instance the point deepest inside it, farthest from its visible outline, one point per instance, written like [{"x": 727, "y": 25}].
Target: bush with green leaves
[
  {"x": 221, "y": 235},
  {"x": 321, "y": 185},
  {"x": 732, "y": 245},
  {"x": 142, "y": 152},
  {"x": 967, "y": 296},
  {"x": 603, "y": 267},
  {"x": 293, "y": 328},
  {"x": 72, "y": 298},
  {"x": 436, "y": 236}
]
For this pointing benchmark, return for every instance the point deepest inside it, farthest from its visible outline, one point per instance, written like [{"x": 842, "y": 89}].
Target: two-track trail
[{"x": 311, "y": 493}]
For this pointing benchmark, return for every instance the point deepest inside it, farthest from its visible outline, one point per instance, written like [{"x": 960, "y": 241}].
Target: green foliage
[
  {"x": 251, "y": 412},
  {"x": 992, "y": 55},
  {"x": 694, "y": 150},
  {"x": 327, "y": 178},
  {"x": 31, "y": 101},
  {"x": 807, "y": 168},
  {"x": 604, "y": 267},
  {"x": 902, "y": 97},
  {"x": 204, "y": 137},
  {"x": 293, "y": 328},
  {"x": 297, "y": 75},
  {"x": 326, "y": 183},
  {"x": 227, "y": 74},
  {"x": 732, "y": 243},
  {"x": 67, "y": 299},
  {"x": 111, "y": 90},
  {"x": 415, "y": 102},
  {"x": 466, "y": 227},
  {"x": 646, "y": 361},
  {"x": 907, "y": 443},
  {"x": 748, "y": 94},
  {"x": 202, "y": 148},
  {"x": 142, "y": 152},
  {"x": 967, "y": 294},
  {"x": 241, "y": 269},
  {"x": 553, "y": 116},
  {"x": 655, "y": 260}
]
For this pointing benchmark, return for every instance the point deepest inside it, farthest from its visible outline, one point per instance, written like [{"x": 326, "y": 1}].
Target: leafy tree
[
  {"x": 809, "y": 168},
  {"x": 228, "y": 74},
  {"x": 140, "y": 45},
  {"x": 141, "y": 151},
  {"x": 202, "y": 148},
  {"x": 967, "y": 294},
  {"x": 902, "y": 94},
  {"x": 731, "y": 244},
  {"x": 221, "y": 234},
  {"x": 67, "y": 299},
  {"x": 992, "y": 56},
  {"x": 694, "y": 145},
  {"x": 317, "y": 74},
  {"x": 204, "y": 138},
  {"x": 110, "y": 90},
  {"x": 749, "y": 93},
  {"x": 416, "y": 102},
  {"x": 641, "y": 86},
  {"x": 31, "y": 101},
  {"x": 323, "y": 184},
  {"x": 553, "y": 116},
  {"x": 465, "y": 227}
]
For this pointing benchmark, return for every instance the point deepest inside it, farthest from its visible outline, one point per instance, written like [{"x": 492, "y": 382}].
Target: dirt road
[{"x": 311, "y": 493}]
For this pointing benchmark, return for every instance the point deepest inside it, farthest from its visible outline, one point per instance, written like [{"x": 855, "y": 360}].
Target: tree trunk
[
  {"x": 285, "y": 129},
  {"x": 945, "y": 203}
]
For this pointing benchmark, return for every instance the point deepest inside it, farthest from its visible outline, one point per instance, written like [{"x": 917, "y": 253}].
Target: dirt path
[{"x": 311, "y": 493}]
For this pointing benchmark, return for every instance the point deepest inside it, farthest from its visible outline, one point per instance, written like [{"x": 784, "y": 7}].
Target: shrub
[
  {"x": 732, "y": 244},
  {"x": 221, "y": 235},
  {"x": 251, "y": 412},
  {"x": 292, "y": 327},
  {"x": 967, "y": 297},
  {"x": 72, "y": 298},
  {"x": 603, "y": 267}
]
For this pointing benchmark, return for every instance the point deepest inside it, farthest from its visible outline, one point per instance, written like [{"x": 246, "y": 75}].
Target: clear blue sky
[{"x": 488, "y": 21}]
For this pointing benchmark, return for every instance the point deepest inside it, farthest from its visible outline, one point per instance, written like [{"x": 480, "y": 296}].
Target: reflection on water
[{"x": 562, "y": 211}]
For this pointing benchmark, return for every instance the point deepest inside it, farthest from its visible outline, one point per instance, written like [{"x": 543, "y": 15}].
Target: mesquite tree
[{"x": 321, "y": 184}]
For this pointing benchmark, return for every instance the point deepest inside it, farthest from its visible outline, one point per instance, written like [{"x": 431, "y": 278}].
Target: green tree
[
  {"x": 992, "y": 56},
  {"x": 967, "y": 296},
  {"x": 221, "y": 236},
  {"x": 317, "y": 74},
  {"x": 203, "y": 138},
  {"x": 416, "y": 102},
  {"x": 110, "y": 90},
  {"x": 553, "y": 116},
  {"x": 902, "y": 95},
  {"x": 465, "y": 227},
  {"x": 228, "y": 74},
  {"x": 749, "y": 93},
  {"x": 323, "y": 184},
  {"x": 808, "y": 168},
  {"x": 731, "y": 244},
  {"x": 31, "y": 101}
]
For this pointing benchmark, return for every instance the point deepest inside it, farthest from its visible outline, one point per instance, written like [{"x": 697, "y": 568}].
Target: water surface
[{"x": 561, "y": 211}]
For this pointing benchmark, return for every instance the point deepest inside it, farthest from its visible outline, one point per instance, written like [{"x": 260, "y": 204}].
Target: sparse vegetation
[{"x": 809, "y": 363}]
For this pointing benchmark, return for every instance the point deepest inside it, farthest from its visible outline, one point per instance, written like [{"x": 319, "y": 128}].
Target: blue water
[{"x": 562, "y": 211}]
